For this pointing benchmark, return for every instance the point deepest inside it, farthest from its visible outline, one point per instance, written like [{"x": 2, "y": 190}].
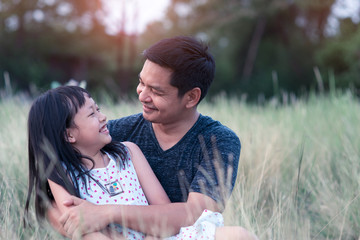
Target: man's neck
[{"x": 170, "y": 134}]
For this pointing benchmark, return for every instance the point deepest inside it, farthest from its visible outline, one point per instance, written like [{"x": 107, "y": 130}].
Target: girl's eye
[{"x": 98, "y": 109}]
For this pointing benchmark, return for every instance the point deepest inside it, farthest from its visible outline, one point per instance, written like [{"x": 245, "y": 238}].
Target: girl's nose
[{"x": 102, "y": 117}]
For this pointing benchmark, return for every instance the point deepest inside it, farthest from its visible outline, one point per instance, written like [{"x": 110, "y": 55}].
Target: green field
[{"x": 299, "y": 172}]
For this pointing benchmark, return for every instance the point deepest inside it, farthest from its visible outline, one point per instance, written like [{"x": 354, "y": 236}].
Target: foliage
[
  {"x": 298, "y": 176},
  {"x": 46, "y": 41},
  {"x": 262, "y": 47},
  {"x": 259, "y": 42},
  {"x": 340, "y": 56}
]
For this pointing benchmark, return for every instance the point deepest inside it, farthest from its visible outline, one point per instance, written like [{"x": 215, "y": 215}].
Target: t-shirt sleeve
[{"x": 217, "y": 171}]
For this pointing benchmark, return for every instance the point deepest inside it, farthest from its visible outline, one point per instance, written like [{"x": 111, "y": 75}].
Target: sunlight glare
[{"x": 137, "y": 14}]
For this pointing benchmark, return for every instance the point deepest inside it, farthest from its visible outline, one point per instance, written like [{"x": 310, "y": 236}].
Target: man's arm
[
  {"x": 60, "y": 194},
  {"x": 162, "y": 218},
  {"x": 156, "y": 220},
  {"x": 166, "y": 220}
]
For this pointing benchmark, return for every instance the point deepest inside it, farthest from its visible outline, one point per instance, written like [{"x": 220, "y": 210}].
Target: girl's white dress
[{"x": 204, "y": 227}]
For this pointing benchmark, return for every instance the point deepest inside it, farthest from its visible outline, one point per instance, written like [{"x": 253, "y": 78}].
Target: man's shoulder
[
  {"x": 212, "y": 130},
  {"x": 126, "y": 120},
  {"x": 125, "y": 128},
  {"x": 210, "y": 126}
]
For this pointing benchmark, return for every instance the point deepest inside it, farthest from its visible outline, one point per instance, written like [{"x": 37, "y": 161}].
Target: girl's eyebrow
[{"x": 90, "y": 108}]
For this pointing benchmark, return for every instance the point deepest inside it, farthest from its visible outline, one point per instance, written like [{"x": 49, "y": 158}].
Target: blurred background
[{"x": 263, "y": 48}]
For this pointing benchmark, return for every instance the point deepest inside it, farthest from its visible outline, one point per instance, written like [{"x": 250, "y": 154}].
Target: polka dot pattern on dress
[
  {"x": 127, "y": 177},
  {"x": 204, "y": 227}
]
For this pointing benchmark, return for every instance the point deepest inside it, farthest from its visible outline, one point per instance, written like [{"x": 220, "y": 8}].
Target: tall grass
[{"x": 298, "y": 178}]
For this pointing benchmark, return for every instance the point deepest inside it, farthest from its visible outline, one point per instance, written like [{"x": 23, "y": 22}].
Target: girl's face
[{"x": 90, "y": 133}]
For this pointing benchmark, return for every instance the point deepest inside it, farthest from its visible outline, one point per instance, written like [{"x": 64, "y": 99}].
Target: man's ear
[
  {"x": 70, "y": 136},
  {"x": 193, "y": 97}
]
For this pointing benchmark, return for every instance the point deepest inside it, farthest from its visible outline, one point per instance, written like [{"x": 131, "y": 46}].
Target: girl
[{"x": 71, "y": 153}]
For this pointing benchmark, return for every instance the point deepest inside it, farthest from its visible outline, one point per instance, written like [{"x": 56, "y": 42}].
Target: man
[{"x": 194, "y": 157}]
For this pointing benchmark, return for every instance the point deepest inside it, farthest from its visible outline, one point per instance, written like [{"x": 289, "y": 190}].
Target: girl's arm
[
  {"x": 60, "y": 195},
  {"x": 154, "y": 192}
]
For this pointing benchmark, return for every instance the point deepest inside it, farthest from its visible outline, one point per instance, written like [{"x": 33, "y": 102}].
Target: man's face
[{"x": 160, "y": 100}]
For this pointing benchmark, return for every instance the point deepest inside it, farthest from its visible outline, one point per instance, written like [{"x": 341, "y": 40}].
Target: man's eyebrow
[{"x": 159, "y": 89}]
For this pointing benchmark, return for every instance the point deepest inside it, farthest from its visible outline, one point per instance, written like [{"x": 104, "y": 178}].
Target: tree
[
  {"x": 46, "y": 41},
  {"x": 257, "y": 41},
  {"x": 339, "y": 57}
]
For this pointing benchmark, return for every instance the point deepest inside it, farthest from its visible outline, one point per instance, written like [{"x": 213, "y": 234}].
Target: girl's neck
[{"x": 100, "y": 159}]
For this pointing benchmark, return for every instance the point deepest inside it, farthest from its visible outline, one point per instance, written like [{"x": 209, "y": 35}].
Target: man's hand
[
  {"x": 82, "y": 217},
  {"x": 53, "y": 215}
]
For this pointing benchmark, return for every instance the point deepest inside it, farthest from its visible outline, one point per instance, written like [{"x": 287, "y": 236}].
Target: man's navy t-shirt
[{"x": 191, "y": 165}]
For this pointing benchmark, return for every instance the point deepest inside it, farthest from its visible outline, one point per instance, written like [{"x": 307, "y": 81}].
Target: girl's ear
[
  {"x": 193, "y": 97},
  {"x": 70, "y": 136}
]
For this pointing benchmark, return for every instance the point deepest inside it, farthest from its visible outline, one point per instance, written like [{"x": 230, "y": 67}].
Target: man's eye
[{"x": 157, "y": 93}]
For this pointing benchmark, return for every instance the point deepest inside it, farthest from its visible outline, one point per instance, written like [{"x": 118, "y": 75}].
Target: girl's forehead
[
  {"x": 88, "y": 104},
  {"x": 89, "y": 100}
]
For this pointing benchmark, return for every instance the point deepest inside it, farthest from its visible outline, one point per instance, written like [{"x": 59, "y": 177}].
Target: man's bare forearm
[
  {"x": 156, "y": 220},
  {"x": 160, "y": 220}
]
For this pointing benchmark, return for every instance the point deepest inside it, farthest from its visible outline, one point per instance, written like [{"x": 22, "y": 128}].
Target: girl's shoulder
[
  {"x": 134, "y": 152},
  {"x": 131, "y": 146}
]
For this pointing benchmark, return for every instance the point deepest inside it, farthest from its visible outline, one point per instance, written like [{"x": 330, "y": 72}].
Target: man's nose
[{"x": 144, "y": 95}]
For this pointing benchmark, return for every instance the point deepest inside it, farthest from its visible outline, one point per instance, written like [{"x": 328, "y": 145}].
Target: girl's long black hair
[{"x": 50, "y": 155}]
